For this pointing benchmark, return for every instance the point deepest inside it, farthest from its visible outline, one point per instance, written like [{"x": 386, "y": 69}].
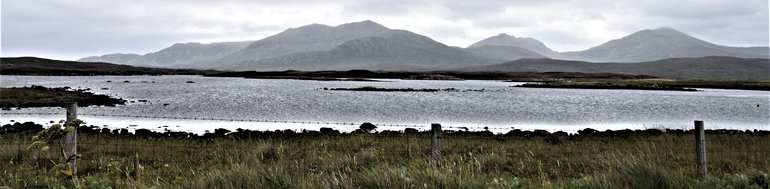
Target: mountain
[
  {"x": 314, "y": 37},
  {"x": 118, "y": 58},
  {"x": 657, "y": 44},
  {"x": 393, "y": 50},
  {"x": 712, "y": 67},
  {"x": 182, "y": 54},
  {"x": 179, "y": 55},
  {"x": 504, "y": 53},
  {"x": 511, "y": 41}
]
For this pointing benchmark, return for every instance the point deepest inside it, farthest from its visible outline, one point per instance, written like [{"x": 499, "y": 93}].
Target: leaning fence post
[
  {"x": 18, "y": 151},
  {"x": 71, "y": 139},
  {"x": 700, "y": 149},
  {"x": 436, "y": 144}
]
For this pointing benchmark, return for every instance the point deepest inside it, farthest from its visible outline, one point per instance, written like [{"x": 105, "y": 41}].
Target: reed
[{"x": 366, "y": 160}]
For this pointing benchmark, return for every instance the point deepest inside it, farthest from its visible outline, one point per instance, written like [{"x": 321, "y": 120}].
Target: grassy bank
[
  {"x": 38, "y": 96},
  {"x": 42, "y": 66},
  {"x": 366, "y": 160},
  {"x": 652, "y": 84}
]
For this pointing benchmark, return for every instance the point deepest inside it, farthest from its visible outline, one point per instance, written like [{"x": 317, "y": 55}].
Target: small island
[
  {"x": 39, "y": 96},
  {"x": 370, "y": 88},
  {"x": 433, "y": 77},
  {"x": 317, "y": 78}
]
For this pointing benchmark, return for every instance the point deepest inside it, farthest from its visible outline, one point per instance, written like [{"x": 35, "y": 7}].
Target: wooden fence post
[
  {"x": 700, "y": 149},
  {"x": 71, "y": 139},
  {"x": 436, "y": 145}
]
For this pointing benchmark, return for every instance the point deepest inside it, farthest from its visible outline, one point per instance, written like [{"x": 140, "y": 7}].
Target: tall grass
[{"x": 400, "y": 161}]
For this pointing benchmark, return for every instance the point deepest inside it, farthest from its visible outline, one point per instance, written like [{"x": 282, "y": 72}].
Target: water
[{"x": 499, "y": 105}]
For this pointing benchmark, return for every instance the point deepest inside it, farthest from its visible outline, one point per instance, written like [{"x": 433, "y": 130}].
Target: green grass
[{"x": 376, "y": 161}]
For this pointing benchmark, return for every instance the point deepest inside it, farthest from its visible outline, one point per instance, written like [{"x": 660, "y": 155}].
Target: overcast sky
[{"x": 71, "y": 29}]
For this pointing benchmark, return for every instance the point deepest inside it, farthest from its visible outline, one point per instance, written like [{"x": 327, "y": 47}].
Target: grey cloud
[
  {"x": 76, "y": 30},
  {"x": 45, "y": 29},
  {"x": 701, "y": 10},
  {"x": 557, "y": 38},
  {"x": 474, "y": 9},
  {"x": 392, "y": 7},
  {"x": 496, "y": 21},
  {"x": 446, "y": 31},
  {"x": 735, "y": 31}
]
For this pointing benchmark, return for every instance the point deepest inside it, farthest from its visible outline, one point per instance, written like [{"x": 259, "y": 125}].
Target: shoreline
[
  {"x": 650, "y": 84},
  {"x": 200, "y": 126},
  {"x": 572, "y": 86},
  {"x": 29, "y": 126}
]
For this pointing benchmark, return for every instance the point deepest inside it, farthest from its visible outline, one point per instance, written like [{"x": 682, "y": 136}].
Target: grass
[
  {"x": 652, "y": 84},
  {"x": 392, "y": 161},
  {"x": 38, "y": 96}
]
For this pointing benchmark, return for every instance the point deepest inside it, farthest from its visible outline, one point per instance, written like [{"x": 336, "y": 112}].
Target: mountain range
[{"x": 368, "y": 45}]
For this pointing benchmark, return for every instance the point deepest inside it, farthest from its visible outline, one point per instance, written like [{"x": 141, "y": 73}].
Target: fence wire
[
  {"x": 100, "y": 151},
  {"x": 103, "y": 149}
]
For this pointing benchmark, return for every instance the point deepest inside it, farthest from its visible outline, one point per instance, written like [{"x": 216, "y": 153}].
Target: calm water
[{"x": 499, "y": 105}]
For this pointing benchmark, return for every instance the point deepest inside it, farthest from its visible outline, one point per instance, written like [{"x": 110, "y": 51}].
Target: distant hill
[
  {"x": 117, "y": 58},
  {"x": 657, "y": 44},
  {"x": 506, "y": 40},
  {"x": 394, "y": 50},
  {"x": 503, "y": 53},
  {"x": 309, "y": 38},
  {"x": 180, "y": 55},
  {"x": 41, "y": 66},
  {"x": 693, "y": 68}
]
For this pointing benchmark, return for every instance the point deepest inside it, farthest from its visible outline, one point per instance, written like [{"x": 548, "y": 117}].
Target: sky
[{"x": 72, "y": 29}]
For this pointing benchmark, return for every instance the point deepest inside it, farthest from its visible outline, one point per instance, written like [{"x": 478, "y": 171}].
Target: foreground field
[{"x": 367, "y": 160}]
